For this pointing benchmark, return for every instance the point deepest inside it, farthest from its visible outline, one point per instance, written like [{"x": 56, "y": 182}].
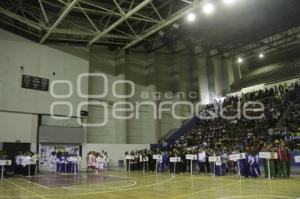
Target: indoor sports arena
[{"x": 148, "y": 99}]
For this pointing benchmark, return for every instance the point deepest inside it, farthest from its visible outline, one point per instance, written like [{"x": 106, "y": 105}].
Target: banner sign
[
  {"x": 129, "y": 157},
  {"x": 157, "y": 157},
  {"x": 175, "y": 159},
  {"x": 297, "y": 159},
  {"x": 146, "y": 159},
  {"x": 214, "y": 159},
  {"x": 5, "y": 162},
  {"x": 191, "y": 157},
  {"x": 74, "y": 159},
  {"x": 237, "y": 156},
  {"x": 268, "y": 155}
]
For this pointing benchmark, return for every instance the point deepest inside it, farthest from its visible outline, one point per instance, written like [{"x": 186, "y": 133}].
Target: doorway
[{"x": 12, "y": 150}]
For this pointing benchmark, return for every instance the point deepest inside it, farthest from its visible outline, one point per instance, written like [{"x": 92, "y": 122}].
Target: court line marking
[
  {"x": 74, "y": 184},
  {"x": 205, "y": 190},
  {"x": 251, "y": 196},
  {"x": 154, "y": 185},
  {"x": 91, "y": 193},
  {"x": 25, "y": 189},
  {"x": 30, "y": 182},
  {"x": 108, "y": 187},
  {"x": 118, "y": 190}
]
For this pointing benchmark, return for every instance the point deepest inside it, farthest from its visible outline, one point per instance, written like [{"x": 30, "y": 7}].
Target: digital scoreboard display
[{"x": 35, "y": 83}]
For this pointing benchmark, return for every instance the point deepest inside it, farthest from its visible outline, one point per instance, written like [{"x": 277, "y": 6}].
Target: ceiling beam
[
  {"x": 118, "y": 22},
  {"x": 21, "y": 19},
  {"x": 61, "y": 31},
  {"x": 174, "y": 17},
  {"x": 44, "y": 12},
  {"x": 59, "y": 20}
]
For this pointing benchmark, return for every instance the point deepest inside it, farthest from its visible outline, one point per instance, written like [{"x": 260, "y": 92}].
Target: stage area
[{"x": 119, "y": 184}]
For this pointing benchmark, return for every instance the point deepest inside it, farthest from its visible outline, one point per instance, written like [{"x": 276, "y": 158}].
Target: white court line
[
  {"x": 28, "y": 181},
  {"x": 252, "y": 196},
  {"x": 107, "y": 187},
  {"x": 100, "y": 192}
]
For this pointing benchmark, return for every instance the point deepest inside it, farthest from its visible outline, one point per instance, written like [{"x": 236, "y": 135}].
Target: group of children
[
  {"x": 63, "y": 162},
  {"x": 25, "y": 163},
  {"x": 97, "y": 162}
]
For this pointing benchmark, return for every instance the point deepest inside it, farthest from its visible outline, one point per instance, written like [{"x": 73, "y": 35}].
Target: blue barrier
[
  {"x": 293, "y": 163},
  {"x": 182, "y": 131}
]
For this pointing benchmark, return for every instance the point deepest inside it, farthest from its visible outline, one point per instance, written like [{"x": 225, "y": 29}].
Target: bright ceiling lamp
[
  {"x": 228, "y": 2},
  {"x": 261, "y": 55},
  {"x": 240, "y": 60},
  {"x": 191, "y": 17},
  {"x": 208, "y": 8}
]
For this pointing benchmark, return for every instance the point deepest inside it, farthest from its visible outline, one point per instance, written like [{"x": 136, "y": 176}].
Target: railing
[{"x": 182, "y": 131}]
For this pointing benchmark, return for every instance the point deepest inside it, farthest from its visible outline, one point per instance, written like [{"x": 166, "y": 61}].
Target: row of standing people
[
  {"x": 248, "y": 167},
  {"x": 63, "y": 162},
  {"x": 97, "y": 161},
  {"x": 25, "y": 163}
]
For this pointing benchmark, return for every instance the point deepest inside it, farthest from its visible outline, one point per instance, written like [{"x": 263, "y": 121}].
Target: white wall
[
  {"x": 115, "y": 130},
  {"x": 142, "y": 128},
  {"x": 19, "y": 107},
  {"x": 37, "y": 60},
  {"x": 18, "y": 127},
  {"x": 115, "y": 152}
]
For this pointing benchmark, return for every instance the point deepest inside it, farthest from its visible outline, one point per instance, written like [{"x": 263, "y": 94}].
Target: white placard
[
  {"x": 242, "y": 156},
  {"x": 175, "y": 159},
  {"x": 157, "y": 157},
  {"x": 5, "y": 162},
  {"x": 146, "y": 159},
  {"x": 191, "y": 157},
  {"x": 129, "y": 157},
  {"x": 74, "y": 159},
  {"x": 214, "y": 158},
  {"x": 237, "y": 156},
  {"x": 268, "y": 155},
  {"x": 297, "y": 159},
  {"x": 28, "y": 161}
]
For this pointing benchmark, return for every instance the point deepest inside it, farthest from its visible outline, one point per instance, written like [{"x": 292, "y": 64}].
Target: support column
[{"x": 203, "y": 80}]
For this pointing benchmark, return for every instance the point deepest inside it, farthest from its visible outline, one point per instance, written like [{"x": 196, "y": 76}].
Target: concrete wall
[
  {"x": 149, "y": 72},
  {"x": 215, "y": 77},
  {"x": 37, "y": 60},
  {"x": 16, "y": 127},
  {"x": 19, "y": 108}
]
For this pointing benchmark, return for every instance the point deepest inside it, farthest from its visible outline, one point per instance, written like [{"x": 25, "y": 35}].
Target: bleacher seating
[
  {"x": 232, "y": 133},
  {"x": 269, "y": 74}
]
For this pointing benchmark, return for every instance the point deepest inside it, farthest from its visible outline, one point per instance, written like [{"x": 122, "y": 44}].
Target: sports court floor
[{"x": 119, "y": 184}]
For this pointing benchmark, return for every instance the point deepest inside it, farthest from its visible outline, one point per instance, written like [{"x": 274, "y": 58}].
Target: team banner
[
  {"x": 157, "y": 157},
  {"x": 237, "y": 156},
  {"x": 5, "y": 162},
  {"x": 214, "y": 159},
  {"x": 175, "y": 159},
  {"x": 191, "y": 157},
  {"x": 268, "y": 155}
]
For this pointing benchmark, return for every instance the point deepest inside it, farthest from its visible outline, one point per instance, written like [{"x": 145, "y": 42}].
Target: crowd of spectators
[{"x": 219, "y": 136}]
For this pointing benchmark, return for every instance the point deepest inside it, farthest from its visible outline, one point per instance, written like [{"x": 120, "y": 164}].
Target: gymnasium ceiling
[{"x": 246, "y": 27}]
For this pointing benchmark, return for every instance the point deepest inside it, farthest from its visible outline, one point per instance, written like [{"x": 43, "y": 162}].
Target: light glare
[
  {"x": 228, "y": 2},
  {"x": 208, "y": 8},
  {"x": 191, "y": 17},
  {"x": 240, "y": 60},
  {"x": 261, "y": 55}
]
